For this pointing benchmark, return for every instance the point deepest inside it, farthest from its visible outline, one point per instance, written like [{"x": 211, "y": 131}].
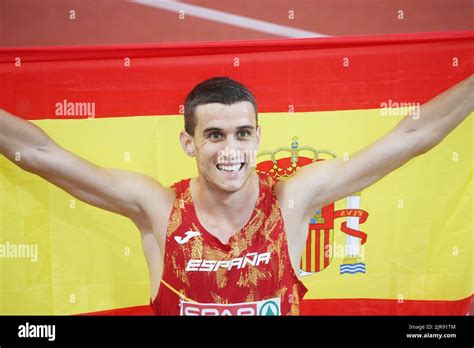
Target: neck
[{"x": 218, "y": 202}]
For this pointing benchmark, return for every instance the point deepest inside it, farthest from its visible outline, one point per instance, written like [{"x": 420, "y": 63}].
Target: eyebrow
[
  {"x": 210, "y": 129},
  {"x": 246, "y": 127}
]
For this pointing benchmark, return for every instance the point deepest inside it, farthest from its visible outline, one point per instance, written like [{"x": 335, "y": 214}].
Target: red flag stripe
[
  {"x": 384, "y": 307},
  {"x": 301, "y": 74},
  {"x": 348, "y": 307}
]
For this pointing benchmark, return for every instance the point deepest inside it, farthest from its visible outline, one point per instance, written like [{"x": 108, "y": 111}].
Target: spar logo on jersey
[
  {"x": 266, "y": 307},
  {"x": 253, "y": 259}
]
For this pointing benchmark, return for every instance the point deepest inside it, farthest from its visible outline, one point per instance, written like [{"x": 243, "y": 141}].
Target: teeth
[{"x": 230, "y": 168}]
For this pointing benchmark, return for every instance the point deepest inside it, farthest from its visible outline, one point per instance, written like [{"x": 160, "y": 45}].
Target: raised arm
[
  {"x": 29, "y": 147},
  {"x": 322, "y": 183}
]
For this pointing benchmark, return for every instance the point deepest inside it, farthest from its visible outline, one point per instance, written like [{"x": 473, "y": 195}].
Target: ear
[
  {"x": 259, "y": 135},
  {"x": 187, "y": 142}
]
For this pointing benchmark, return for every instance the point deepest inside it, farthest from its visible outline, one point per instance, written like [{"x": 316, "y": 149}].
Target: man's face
[{"x": 225, "y": 143}]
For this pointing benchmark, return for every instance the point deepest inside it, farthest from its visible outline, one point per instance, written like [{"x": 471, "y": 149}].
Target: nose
[
  {"x": 231, "y": 143},
  {"x": 231, "y": 152}
]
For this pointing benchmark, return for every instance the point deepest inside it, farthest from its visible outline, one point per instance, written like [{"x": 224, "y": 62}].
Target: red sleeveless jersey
[{"x": 251, "y": 275}]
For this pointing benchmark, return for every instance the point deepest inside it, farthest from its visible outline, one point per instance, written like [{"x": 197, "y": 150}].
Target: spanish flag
[{"x": 400, "y": 247}]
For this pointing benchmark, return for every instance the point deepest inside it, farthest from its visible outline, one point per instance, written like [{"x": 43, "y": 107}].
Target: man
[{"x": 229, "y": 241}]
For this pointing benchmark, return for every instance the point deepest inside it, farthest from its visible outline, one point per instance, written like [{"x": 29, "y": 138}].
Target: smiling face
[{"x": 225, "y": 143}]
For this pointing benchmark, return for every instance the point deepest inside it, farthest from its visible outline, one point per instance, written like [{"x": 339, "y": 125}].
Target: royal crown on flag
[
  {"x": 319, "y": 250},
  {"x": 286, "y": 167}
]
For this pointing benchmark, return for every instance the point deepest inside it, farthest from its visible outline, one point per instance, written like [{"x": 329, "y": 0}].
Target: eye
[
  {"x": 243, "y": 133},
  {"x": 214, "y": 135}
]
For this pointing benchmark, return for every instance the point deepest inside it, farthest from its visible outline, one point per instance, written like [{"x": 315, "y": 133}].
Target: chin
[{"x": 231, "y": 187}]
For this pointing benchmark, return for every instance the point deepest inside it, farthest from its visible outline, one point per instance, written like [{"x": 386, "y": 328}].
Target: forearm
[
  {"x": 439, "y": 116},
  {"x": 19, "y": 139}
]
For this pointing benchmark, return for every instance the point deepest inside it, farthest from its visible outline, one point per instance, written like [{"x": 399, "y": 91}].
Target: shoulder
[
  {"x": 290, "y": 199},
  {"x": 156, "y": 207},
  {"x": 155, "y": 191}
]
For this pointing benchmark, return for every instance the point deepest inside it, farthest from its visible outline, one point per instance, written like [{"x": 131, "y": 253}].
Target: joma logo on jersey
[{"x": 253, "y": 259}]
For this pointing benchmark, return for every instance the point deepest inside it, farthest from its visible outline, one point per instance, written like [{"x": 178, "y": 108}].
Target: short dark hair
[{"x": 220, "y": 89}]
